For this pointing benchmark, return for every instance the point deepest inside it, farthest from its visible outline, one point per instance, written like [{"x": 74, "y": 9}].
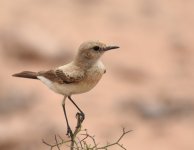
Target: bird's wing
[
  {"x": 70, "y": 76},
  {"x": 62, "y": 77}
]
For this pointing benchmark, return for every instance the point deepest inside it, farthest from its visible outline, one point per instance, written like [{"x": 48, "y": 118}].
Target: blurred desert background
[{"x": 148, "y": 87}]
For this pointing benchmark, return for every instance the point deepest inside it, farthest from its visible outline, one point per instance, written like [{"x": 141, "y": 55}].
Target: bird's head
[{"x": 91, "y": 51}]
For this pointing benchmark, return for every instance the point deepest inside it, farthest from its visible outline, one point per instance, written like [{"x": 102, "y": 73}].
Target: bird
[{"x": 76, "y": 77}]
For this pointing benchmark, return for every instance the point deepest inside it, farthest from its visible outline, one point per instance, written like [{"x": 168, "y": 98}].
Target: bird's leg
[
  {"x": 69, "y": 131},
  {"x": 80, "y": 114}
]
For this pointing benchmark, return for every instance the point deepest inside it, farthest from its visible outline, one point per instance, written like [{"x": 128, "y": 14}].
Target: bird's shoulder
[{"x": 70, "y": 73}]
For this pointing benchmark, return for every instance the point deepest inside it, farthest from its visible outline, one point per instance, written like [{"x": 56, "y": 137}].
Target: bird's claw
[
  {"x": 80, "y": 116},
  {"x": 69, "y": 132}
]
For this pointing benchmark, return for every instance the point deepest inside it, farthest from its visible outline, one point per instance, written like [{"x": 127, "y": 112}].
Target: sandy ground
[{"x": 149, "y": 82}]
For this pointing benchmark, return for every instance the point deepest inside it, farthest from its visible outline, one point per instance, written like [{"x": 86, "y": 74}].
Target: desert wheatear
[{"x": 76, "y": 77}]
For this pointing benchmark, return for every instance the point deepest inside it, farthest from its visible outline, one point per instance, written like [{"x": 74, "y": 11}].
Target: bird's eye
[{"x": 96, "y": 48}]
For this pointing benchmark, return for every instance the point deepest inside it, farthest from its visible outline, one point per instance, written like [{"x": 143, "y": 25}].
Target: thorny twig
[
  {"x": 57, "y": 144},
  {"x": 87, "y": 142},
  {"x": 117, "y": 142}
]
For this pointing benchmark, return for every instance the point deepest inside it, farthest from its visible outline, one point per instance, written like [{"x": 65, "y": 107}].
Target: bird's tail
[{"x": 26, "y": 74}]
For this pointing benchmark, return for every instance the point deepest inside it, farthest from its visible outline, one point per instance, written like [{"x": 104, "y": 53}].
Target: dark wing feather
[
  {"x": 70, "y": 76},
  {"x": 62, "y": 77}
]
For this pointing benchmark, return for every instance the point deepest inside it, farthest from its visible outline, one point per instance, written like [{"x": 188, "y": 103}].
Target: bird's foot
[
  {"x": 80, "y": 117},
  {"x": 69, "y": 132}
]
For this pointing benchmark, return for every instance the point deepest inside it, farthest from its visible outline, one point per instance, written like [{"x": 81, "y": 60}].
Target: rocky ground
[{"x": 149, "y": 82}]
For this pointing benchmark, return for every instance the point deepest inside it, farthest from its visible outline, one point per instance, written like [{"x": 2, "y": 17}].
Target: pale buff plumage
[{"x": 76, "y": 77}]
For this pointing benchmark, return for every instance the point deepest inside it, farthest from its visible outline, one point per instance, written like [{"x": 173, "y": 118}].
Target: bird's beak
[{"x": 110, "y": 47}]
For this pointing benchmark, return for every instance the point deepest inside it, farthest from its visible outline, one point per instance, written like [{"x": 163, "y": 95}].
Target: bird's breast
[{"x": 93, "y": 76}]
